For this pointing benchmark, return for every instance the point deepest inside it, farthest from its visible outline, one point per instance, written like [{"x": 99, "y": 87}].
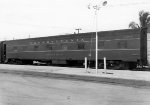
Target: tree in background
[
  {"x": 144, "y": 18},
  {"x": 133, "y": 25}
]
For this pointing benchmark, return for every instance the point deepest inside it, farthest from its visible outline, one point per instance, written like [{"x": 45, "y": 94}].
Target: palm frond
[
  {"x": 143, "y": 16},
  {"x": 141, "y": 13},
  {"x": 133, "y": 25}
]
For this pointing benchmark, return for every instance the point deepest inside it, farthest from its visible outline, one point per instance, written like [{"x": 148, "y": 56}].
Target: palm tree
[
  {"x": 144, "y": 18},
  {"x": 133, "y": 25}
]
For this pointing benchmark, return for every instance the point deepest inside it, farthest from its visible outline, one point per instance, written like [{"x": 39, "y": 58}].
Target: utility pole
[
  {"x": 29, "y": 35},
  {"x": 78, "y": 29}
]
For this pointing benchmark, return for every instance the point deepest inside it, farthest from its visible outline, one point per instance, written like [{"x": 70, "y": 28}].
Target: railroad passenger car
[
  {"x": 120, "y": 47},
  {"x": 2, "y": 52}
]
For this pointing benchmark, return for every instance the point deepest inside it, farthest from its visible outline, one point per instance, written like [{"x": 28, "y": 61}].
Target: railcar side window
[
  {"x": 122, "y": 44},
  {"x": 15, "y": 48},
  {"x": 49, "y": 47},
  {"x": 36, "y": 47},
  {"x": 81, "y": 46},
  {"x": 101, "y": 44},
  {"x": 24, "y": 48},
  {"x": 64, "y": 47}
]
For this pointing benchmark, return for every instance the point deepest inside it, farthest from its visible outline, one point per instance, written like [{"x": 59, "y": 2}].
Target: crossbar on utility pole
[{"x": 78, "y": 29}]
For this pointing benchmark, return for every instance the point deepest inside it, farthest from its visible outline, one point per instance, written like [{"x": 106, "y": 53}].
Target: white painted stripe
[
  {"x": 119, "y": 39},
  {"x": 80, "y": 50},
  {"x": 115, "y": 49}
]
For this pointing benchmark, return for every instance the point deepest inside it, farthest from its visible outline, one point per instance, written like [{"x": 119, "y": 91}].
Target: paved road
[{"x": 25, "y": 90}]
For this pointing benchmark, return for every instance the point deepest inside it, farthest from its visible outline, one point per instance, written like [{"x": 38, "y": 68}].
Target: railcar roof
[{"x": 103, "y": 33}]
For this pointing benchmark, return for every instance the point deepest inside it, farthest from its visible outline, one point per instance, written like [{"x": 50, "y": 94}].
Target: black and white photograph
[{"x": 74, "y": 52}]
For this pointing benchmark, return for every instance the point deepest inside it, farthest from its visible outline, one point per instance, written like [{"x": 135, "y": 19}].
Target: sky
[{"x": 38, "y": 18}]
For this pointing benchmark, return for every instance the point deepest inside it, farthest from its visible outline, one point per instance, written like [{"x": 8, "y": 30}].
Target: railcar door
[{"x": 2, "y": 52}]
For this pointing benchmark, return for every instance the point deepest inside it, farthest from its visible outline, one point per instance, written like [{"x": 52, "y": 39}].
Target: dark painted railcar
[
  {"x": 120, "y": 47},
  {"x": 2, "y": 52}
]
